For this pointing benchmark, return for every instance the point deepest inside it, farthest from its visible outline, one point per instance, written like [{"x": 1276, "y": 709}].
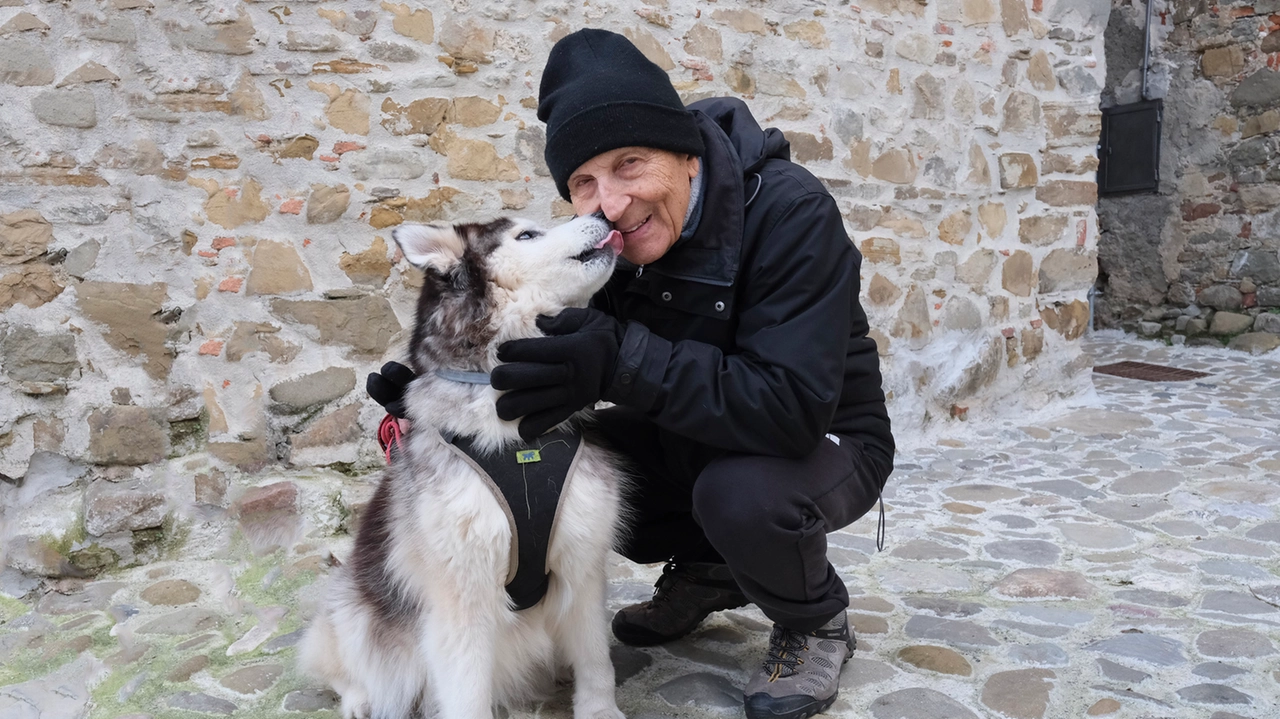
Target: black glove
[
  {"x": 548, "y": 379},
  {"x": 386, "y": 387}
]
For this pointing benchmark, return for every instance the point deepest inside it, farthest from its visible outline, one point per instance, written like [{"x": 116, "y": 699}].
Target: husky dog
[{"x": 418, "y": 621}]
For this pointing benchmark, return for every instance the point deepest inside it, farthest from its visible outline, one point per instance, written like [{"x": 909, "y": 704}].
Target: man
[{"x": 748, "y": 395}]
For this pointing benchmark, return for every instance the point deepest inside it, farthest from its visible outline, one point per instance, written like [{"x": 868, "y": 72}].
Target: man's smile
[{"x": 635, "y": 227}]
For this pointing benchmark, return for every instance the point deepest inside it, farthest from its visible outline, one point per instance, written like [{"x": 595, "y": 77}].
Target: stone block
[
  {"x": 993, "y": 216},
  {"x": 806, "y": 147},
  {"x": 82, "y": 259},
  {"x": 1149, "y": 329},
  {"x": 23, "y": 62},
  {"x": 1221, "y": 297},
  {"x": 327, "y": 203},
  {"x": 1069, "y": 319},
  {"x": 913, "y": 318},
  {"x": 955, "y": 227},
  {"x": 419, "y": 117},
  {"x": 930, "y": 97},
  {"x": 303, "y": 393},
  {"x": 210, "y": 487},
  {"x": 337, "y": 427},
  {"x": 33, "y": 285},
  {"x": 126, "y": 506},
  {"x": 371, "y": 267},
  {"x": 1042, "y": 230},
  {"x": 881, "y": 291},
  {"x": 1256, "y": 199},
  {"x": 1078, "y": 81},
  {"x": 895, "y": 165},
  {"x": 386, "y": 164},
  {"x": 1261, "y": 90},
  {"x": 976, "y": 268},
  {"x": 704, "y": 41},
  {"x": 1021, "y": 112},
  {"x": 1264, "y": 124},
  {"x": 365, "y": 323},
  {"x": 1261, "y": 265},
  {"x": 1255, "y": 343},
  {"x": 1017, "y": 170},
  {"x": 1267, "y": 322},
  {"x": 276, "y": 268},
  {"x": 881, "y": 250},
  {"x": 1229, "y": 323},
  {"x": 1018, "y": 273},
  {"x": 223, "y": 38},
  {"x": 1021, "y": 693},
  {"x": 24, "y": 235},
  {"x": 29, "y": 356},
  {"x": 916, "y": 47},
  {"x": 127, "y": 435},
  {"x": 1067, "y": 193},
  {"x": 1068, "y": 269},
  {"x": 1070, "y": 124},
  {"x": 73, "y": 107},
  {"x": 1222, "y": 62},
  {"x": 277, "y": 497},
  {"x": 961, "y": 314},
  {"x": 1040, "y": 72}
]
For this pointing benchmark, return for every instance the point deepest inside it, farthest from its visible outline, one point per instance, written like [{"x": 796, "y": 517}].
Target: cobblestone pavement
[{"x": 1116, "y": 558}]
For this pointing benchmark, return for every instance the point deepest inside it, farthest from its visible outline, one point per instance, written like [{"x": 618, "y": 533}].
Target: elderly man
[{"x": 748, "y": 395}]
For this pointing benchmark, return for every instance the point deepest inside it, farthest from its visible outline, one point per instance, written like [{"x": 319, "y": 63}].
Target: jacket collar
[{"x": 711, "y": 255}]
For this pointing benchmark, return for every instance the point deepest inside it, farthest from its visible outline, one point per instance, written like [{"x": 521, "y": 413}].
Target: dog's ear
[{"x": 430, "y": 247}]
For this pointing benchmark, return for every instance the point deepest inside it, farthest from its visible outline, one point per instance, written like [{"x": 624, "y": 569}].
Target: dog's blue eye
[{"x": 526, "y": 235}]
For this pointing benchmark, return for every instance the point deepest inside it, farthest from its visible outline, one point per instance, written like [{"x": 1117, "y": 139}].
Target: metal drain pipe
[
  {"x": 1146, "y": 49},
  {"x": 1093, "y": 293}
]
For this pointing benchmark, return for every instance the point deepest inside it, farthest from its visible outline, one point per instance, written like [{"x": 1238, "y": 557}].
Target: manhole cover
[{"x": 1149, "y": 372}]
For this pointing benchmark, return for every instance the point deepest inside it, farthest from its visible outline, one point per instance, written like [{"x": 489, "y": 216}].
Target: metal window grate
[
  {"x": 1129, "y": 149},
  {"x": 1149, "y": 372}
]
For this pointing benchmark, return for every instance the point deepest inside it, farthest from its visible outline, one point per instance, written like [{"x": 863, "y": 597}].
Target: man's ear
[{"x": 430, "y": 247}]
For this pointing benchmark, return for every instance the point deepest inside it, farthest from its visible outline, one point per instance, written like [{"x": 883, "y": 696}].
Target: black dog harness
[{"x": 528, "y": 481}]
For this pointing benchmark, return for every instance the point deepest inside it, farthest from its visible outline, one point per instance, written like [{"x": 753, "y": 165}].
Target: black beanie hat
[{"x": 600, "y": 93}]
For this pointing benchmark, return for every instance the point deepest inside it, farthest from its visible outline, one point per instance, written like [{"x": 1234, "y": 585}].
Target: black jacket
[{"x": 748, "y": 336}]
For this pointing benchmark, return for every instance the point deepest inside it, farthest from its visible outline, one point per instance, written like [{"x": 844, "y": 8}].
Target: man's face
[{"x": 644, "y": 192}]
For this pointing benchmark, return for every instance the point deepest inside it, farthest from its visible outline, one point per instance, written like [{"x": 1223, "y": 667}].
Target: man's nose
[{"x": 614, "y": 204}]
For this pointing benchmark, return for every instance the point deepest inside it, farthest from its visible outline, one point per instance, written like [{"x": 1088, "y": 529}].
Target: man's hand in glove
[
  {"x": 387, "y": 386},
  {"x": 548, "y": 379}
]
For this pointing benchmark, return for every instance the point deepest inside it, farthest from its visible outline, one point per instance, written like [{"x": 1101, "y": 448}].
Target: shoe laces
[
  {"x": 785, "y": 646},
  {"x": 668, "y": 584}
]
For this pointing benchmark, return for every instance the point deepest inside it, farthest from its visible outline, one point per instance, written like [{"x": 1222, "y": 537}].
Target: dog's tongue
[{"x": 613, "y": 241}]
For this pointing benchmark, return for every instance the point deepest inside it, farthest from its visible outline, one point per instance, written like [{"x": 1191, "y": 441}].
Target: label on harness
[{"x": 526, "y": 456}]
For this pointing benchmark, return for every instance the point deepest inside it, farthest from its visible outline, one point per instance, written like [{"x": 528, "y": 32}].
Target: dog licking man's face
[{"x": 485, "y": 284}]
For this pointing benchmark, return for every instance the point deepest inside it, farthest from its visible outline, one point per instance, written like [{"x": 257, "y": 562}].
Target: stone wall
[
  {"x": 1209, "y": 241},
  {"x": 195, "y": 266}
]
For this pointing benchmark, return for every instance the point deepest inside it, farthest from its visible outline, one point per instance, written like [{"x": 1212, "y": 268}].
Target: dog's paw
[
  {"x": 355, "y": 706},
  {"x": 610, "y": 712}
]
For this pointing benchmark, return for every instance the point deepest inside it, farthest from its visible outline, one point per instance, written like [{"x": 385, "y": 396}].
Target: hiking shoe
[
  {"x": 683, "y": 596},
  {"x": 801, "y": 675}
]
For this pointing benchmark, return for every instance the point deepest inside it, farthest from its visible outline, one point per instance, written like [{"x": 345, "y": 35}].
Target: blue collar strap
[{"x": 457, "y": 375}]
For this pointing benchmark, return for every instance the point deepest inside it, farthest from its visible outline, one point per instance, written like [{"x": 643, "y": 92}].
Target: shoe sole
[{"x": 801, "y": 713}]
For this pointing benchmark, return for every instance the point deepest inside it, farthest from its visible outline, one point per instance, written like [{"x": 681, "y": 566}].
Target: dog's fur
[{"x": 418, "y": 621}]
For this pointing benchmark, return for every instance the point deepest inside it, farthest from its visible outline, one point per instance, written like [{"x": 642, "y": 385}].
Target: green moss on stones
[
  {"x": 11, "y": 609},
  {"x": 189, "y": 435},
  {"x": 94, "y": 558}
]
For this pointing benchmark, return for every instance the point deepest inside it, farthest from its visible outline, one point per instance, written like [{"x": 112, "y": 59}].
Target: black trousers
[{"x": 765, "y": 517}]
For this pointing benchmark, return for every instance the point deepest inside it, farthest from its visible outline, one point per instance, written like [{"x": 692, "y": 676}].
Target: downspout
[{"x": 1146, "y": 49}]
